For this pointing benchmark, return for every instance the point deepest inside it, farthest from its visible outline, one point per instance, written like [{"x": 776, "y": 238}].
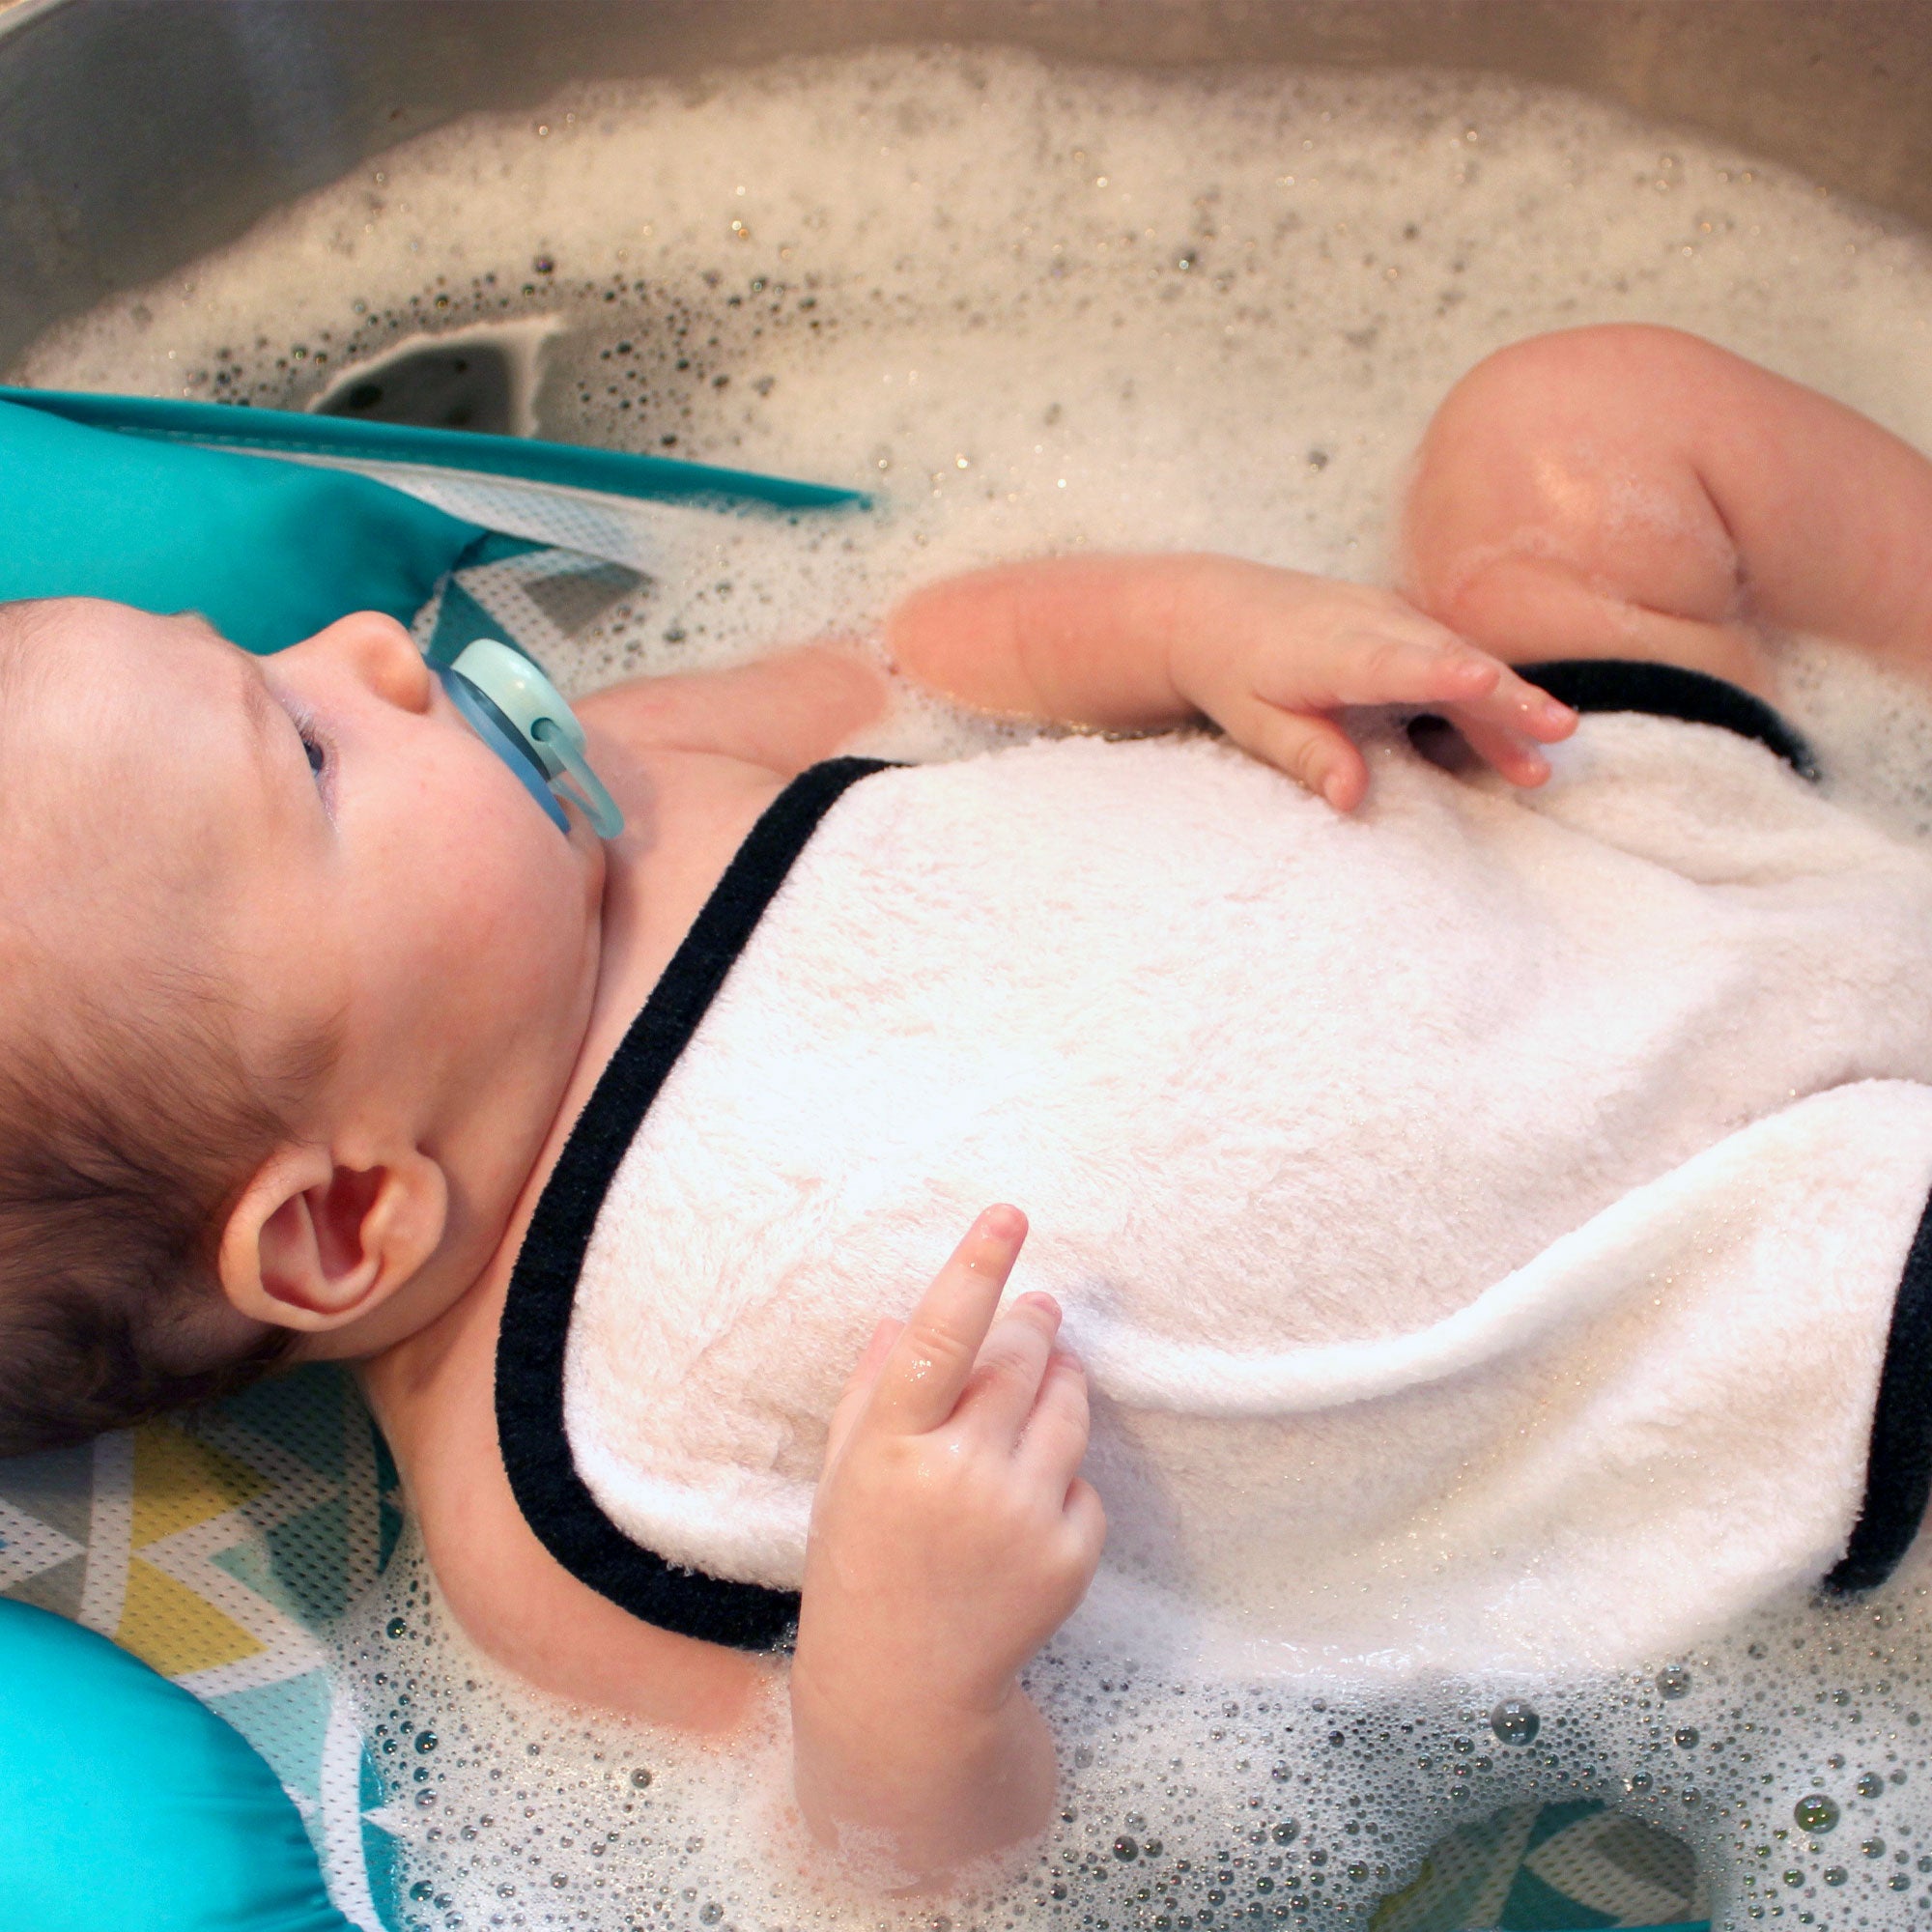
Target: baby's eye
[{"x": 318, "y": 756}]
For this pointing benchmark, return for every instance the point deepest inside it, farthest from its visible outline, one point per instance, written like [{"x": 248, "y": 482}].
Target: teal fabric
[
  {"x": 268, "y": 552},
  {"x": 568, "y": 465},
  {"x": 125, "y": 1803}
]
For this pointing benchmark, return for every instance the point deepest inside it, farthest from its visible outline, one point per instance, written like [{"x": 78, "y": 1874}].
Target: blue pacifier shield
[{"x": 516, "y": 710}]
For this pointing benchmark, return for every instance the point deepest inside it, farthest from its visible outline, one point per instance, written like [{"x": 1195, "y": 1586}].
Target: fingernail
[
  {"x": 1002, "y": 1223},
  {"x": 1557, "y": 712},
  {"x": 1041, "y": 1301},
  {"x": 1334, "y": 791}
]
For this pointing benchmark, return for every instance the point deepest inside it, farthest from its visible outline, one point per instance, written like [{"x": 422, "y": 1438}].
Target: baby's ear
[{"x": 313, "y": 1244}]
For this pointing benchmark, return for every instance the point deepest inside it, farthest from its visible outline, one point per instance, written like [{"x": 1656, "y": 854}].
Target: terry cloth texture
[{"x": 1482, "y": 1217}]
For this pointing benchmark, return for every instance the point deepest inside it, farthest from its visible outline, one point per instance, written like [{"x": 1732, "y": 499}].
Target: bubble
[
  {"x": 426, "y": 1742},
  {"x": 641, "y": 1779},
  {"x": 1871, "y": 1785},
  {"x": 396, "y": 1627},
  {"x": 1125, "y": 1848},
  {"x": 1673, "y": 1681},
  {"x": 1285, "y": 1830},
  {"x": 1684, "y": 1736},
  {"x": 1835, "y": 1874},
  {"x": 1515, "y": 1722},
  {"x": 1815, "y": 1812}
]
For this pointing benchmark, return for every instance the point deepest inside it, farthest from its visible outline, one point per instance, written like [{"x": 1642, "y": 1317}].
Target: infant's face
[{"x": 323, "y": 828}]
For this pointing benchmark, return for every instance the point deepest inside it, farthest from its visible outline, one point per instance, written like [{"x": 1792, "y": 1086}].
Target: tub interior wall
[{"x": 141, "y": 136}]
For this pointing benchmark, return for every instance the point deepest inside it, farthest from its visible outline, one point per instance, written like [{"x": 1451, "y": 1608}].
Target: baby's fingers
[
  {"x": 1055, "y": 1443},
  {"x": 1313, "y": 750},
  {"x": 1505, "y": 726},
  {"x": 926, "y": 1368},
  {"x": 1005, "y": 1380}
]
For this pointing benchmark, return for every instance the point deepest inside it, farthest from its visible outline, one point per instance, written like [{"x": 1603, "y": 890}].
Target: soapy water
[
  {"x": 1794, "y": 1754},
  {"x": 1037, "y": 308}
]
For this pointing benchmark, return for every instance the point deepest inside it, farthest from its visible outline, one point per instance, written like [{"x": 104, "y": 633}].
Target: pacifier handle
[
  {"x": 586, "y": 791},
  {"x": 523, "y": 712}
]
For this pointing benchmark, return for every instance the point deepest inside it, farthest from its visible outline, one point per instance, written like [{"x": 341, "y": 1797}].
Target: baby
[{"x": 296, "y": 1073}]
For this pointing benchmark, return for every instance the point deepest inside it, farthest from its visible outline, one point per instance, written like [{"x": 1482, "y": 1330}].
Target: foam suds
[{"x": 1038, "y": 308}]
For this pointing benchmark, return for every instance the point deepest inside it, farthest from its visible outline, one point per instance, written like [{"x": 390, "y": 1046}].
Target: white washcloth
[{"x": 1481, "y": 1216}]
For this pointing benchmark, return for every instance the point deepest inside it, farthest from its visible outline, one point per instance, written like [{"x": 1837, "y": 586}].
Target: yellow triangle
[
  {"x": 179, "y": 1481},
  {"x": 167, "y": 1625}
]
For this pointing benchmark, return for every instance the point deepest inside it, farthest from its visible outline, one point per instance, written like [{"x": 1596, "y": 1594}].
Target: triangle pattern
[
  {"x": 28, "y": 1545},
  {"x": 167, "y": 1625},
  {"x": 180, "y": 1481},
  {"x": 288, "y": 1724}
]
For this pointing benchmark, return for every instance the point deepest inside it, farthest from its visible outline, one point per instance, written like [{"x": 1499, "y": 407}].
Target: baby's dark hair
[{"x": 129, "y": 1124}]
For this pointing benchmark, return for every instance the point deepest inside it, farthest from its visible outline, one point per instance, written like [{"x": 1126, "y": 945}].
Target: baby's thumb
[{"x": 859, "y": 1387}]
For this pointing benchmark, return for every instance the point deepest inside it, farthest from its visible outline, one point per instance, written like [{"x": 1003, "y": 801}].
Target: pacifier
[{"x": 523, "y": 717}]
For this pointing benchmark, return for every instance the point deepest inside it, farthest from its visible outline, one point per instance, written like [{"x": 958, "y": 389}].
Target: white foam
[{"x": 1038, "y": 308}]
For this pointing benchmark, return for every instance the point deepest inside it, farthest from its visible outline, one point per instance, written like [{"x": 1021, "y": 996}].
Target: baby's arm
[
  {"x": 952, "y": 1536},
  {"x": 1139, "y": 642},
  {"x": 1634, "y": 492}
]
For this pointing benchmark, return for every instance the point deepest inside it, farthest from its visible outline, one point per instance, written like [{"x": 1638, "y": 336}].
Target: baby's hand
[
  {"x": 952, "y": 1534},
  {"x": 1270, "y": 654},
  {"x": 951, "y": 1537}
]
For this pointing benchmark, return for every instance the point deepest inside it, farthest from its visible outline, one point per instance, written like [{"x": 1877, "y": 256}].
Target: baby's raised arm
[
  {"x": 952, "y": 1536},
  {"x": 1634, "y": 492}
]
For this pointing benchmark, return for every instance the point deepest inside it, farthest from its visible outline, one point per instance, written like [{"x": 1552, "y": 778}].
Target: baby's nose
[{"x": 382, "y": 655}]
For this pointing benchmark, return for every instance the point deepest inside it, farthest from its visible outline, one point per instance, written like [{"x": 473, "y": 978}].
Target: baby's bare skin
[
  {"x": 1519, "y": 531},
  {"x": 693, "y": 763}
]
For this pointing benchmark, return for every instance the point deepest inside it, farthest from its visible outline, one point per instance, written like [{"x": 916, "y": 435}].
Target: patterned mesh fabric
[
  {"x": 1551, "y": 1868},
  {"x": 219, "y": 1549}
]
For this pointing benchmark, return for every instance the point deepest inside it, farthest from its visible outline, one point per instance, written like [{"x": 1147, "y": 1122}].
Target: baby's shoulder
[{"x": 784, "y": 711}]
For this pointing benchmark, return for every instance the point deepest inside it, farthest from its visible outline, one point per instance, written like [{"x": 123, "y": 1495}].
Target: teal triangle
[
  {"x": 460, "y": 621},
  {"x": 1534, "y": 1905},
  {"x": 310, "y": 1558},
  {"x": 248, "y": 1563},
  {"x": 1555, "y": 1818},
  {"x": 388, "y": 1477},
  {"x": 287, "y": 1723},
  {"x": 380, "y": 1860},
  {"x": 304, "y": 1412},
  {"x": 380, "y": 1857},
  {"x": 390, "y": 1531}
]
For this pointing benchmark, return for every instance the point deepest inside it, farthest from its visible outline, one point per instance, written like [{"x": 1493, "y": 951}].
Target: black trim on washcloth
[
  {"x": 1898, "y": 1469},
  {"x": 1670, "y": 691},
  {"x": 532, "y": 1346},
  {"x": 1898, "y": 1464}
]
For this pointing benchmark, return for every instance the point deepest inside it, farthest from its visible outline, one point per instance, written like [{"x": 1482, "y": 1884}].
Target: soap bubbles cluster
[
  {"x": 1794, "y": 1758},
  {"x": 1038, "y": 308}
]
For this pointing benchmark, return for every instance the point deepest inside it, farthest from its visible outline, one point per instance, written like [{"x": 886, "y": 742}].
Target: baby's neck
[{"x": 687, "y": 812}]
